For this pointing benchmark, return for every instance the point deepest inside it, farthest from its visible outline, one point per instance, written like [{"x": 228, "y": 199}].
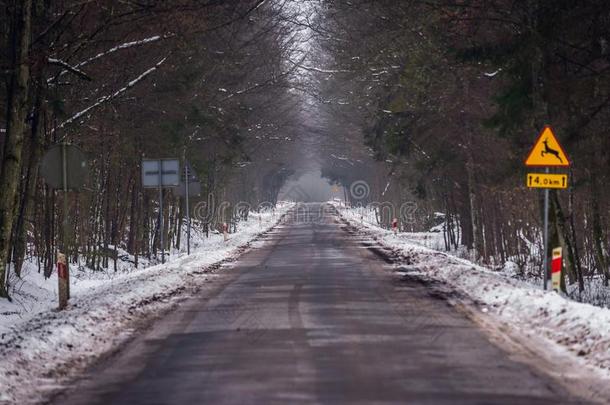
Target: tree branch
[
  {"x": 69, "y": 68},
  {"x": 110, "y": 97}
]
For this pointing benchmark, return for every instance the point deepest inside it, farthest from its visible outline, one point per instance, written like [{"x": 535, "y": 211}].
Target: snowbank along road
[{"x": 315, "y": 316}]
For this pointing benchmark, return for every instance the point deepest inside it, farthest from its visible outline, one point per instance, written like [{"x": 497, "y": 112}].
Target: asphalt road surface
[{"x": 313, "y": 316}]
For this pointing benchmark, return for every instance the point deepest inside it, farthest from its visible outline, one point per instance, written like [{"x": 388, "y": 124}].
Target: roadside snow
[
  {"x": 39, "y": 345},
  {"x": 580, "y": 331}
]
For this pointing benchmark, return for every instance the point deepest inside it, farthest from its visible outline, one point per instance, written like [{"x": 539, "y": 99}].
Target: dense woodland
[
  {"x": 126, "y": 81},
  {"x": 452, "y": 96},
  {"x": 436, "y": 102}
]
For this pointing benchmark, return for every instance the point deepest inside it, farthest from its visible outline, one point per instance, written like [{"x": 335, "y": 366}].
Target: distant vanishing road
[{"x": 313, "y": 316}]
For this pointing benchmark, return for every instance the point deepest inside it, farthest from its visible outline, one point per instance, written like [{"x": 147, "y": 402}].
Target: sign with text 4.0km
[{"x": 544, "y": 180}]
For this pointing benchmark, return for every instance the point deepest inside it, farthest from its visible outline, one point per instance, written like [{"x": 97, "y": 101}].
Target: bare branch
[
  {"x": 112, "y": 96},
  {"x": 70, "y": 69},
  {"x": 112, "y": 50}
]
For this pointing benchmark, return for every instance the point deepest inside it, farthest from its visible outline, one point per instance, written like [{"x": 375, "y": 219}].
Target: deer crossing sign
[{"x": 547, "y": 151}]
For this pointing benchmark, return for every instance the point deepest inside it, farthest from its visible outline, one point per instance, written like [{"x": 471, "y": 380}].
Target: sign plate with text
[
  {"x": 546, "y": 180},
  {"x": 160, "y": 173}
]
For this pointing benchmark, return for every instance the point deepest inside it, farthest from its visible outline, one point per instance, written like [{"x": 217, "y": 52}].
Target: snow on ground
[
  {"x": 40, "y": 347},
  {"x": 524, "y": 267},
  {"x": 579, "y": 331}
]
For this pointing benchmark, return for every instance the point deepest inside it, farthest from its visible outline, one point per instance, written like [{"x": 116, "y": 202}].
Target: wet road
[{"x": 314, "y": 317}]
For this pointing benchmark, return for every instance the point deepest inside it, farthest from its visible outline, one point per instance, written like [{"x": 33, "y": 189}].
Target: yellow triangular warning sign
[{"x": 547, "y": 151}]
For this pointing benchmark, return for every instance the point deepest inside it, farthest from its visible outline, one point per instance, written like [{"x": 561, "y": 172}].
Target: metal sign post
[
  {"x": 188, "y": 215},
  {"x": 161, "y": 224},
  {"x": 160, "y": 173},
  {"x": 64, "y": 172},
  {"x": 545, "y": 258},
  {"x": 189, "y": 186},
  {"x": 64, "y": 167}
]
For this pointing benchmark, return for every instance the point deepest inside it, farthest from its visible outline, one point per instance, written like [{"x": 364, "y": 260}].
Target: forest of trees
[
  {"x": 432, "y": 101},
  {"x": 201, "y": 81},
  {"x": 451, "y": 95}
]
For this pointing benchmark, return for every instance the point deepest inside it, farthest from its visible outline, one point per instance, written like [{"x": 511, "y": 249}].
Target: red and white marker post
[
  {"x": 556, "y": 267},
  {"x": 62, "y": 280},
  {"x": 225, "y": 231},
  {"x": 395, "y": 225}
]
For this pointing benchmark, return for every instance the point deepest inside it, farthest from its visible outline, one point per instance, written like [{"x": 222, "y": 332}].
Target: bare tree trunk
[
  {"x": 146, "y": 237},
  {"x": 179, "y": 223},
  {"x": 578, "y": 264},
  {"x": 166, "y": 223},
  {"x": 600, "y": 259},
  {"x": 29, "y": 186},
  {"x": 561, "y": 237},
  {"x": 448, "y": 224},
  {"x": 472, "y": 200},
  {"x": 15, "y": 128},
  {"x": 107, "y": 219},
  {"x": 133, "y": 224},
  {"x": 49, "y": 209},
  {"x": 139, "y": 225}
]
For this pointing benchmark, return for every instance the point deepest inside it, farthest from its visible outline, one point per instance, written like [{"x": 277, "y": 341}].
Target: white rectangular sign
[{"x": 160, "y": 172}]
